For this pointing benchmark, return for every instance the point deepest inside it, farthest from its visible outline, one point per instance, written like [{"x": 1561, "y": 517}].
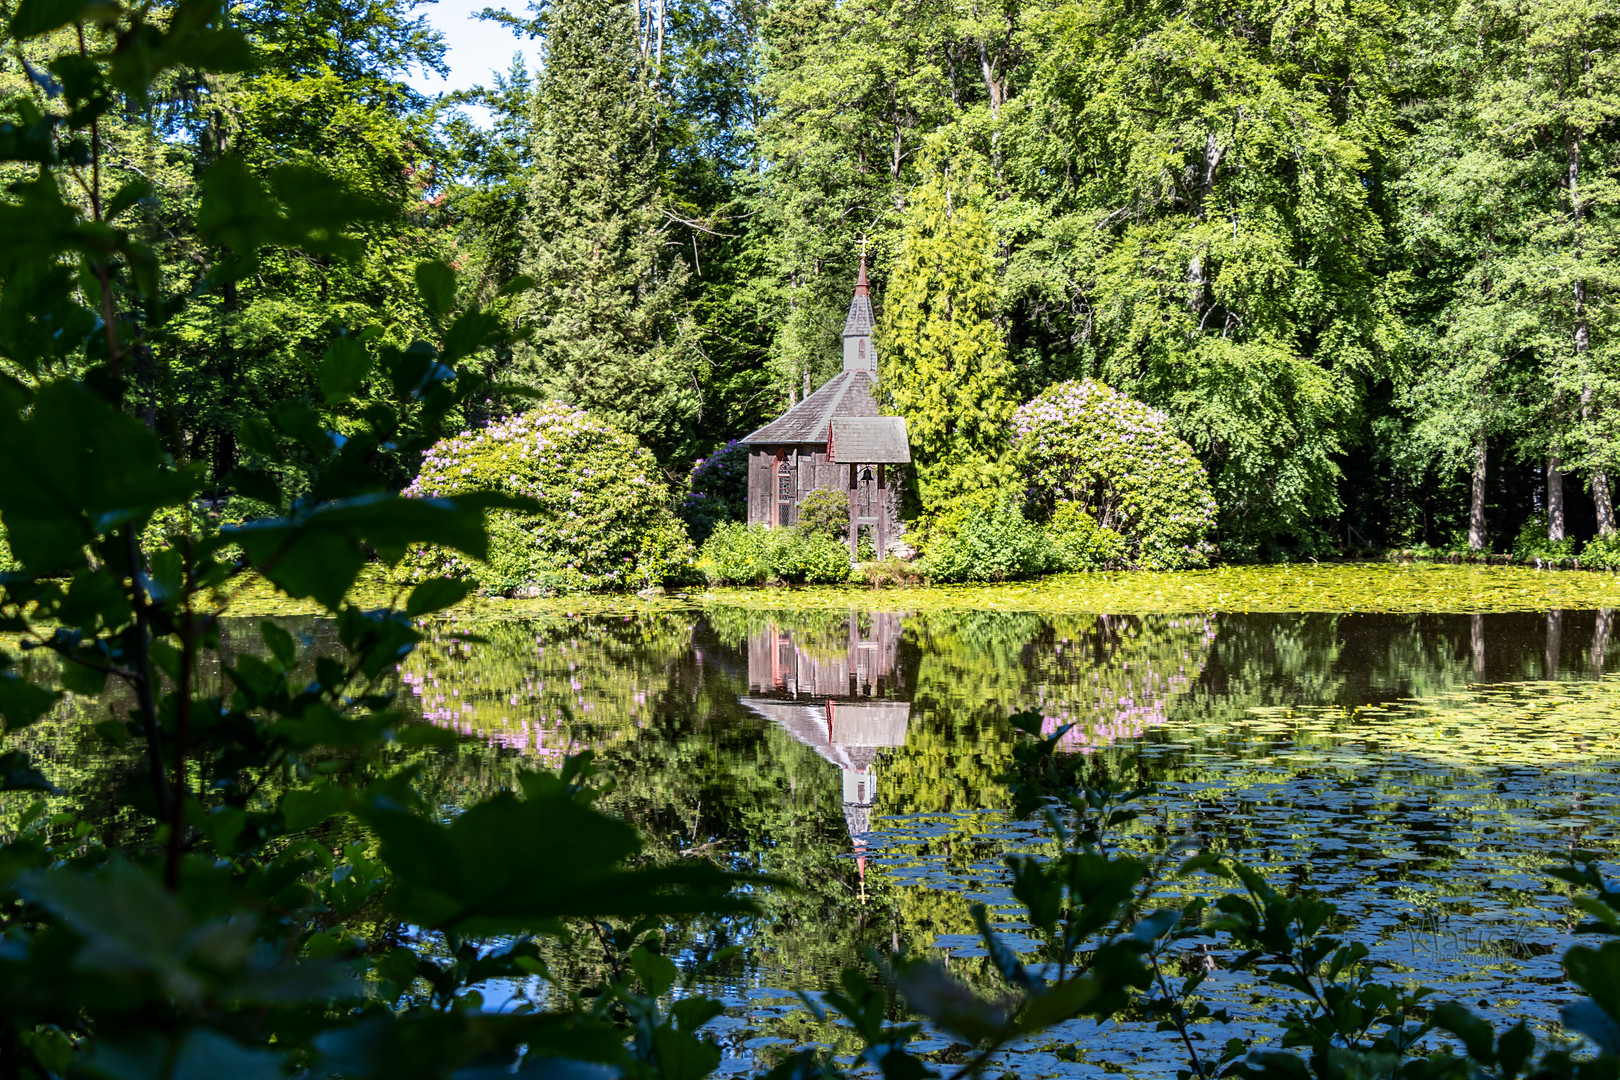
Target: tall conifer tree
[
  {"x": 607, "y": 312},
  {"x": 944, "y": 364}
]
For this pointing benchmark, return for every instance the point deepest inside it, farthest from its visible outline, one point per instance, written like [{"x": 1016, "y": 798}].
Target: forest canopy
[{"x": 1363, "y": 257}]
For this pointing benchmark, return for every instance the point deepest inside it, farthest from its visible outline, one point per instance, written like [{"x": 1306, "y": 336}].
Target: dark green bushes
[
  {"x": 989, "y": 538},
  {"x": 1602, "y": 552},
  {"x": 1531, "y": 543},
  {"x": 738, "y": 554},
  {"x": 813, "y": 552},
  {"x": 985, "y": 539},
  {"x": 1105, "y": 484},
  {"x": 1079, "y": 543},
  {"x": 823, "y": 512}
]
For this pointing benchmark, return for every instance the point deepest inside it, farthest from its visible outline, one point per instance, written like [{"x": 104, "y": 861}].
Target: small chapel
[{"x": 835, "y": 439}]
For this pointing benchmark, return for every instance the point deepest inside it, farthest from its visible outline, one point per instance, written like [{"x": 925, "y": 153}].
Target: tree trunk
[
  {"x": 1555, "y": 501},
  {"x": 1600, "y": 639},
  {"x": 1600, "y": 477},
  {"x": 1197, "y": 274},
  {"x": 1476, "y": 640},
  {"x": 1476, "y": 506},
  {"x": 1583, "y": 340},
  {"x": 1605, "y": 504},
  {"x": 1555, "y": 641},
  {"x": 1583, "y": 332},
  {"x": 992, "y": 81}
]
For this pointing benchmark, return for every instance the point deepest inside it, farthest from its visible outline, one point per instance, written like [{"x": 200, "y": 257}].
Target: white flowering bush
[
  {"x": 605, "y": 521},
  {"x": 1119, "y": 461}
]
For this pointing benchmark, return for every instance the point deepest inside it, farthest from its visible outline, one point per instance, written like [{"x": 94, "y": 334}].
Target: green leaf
[
  {"x": 305, "y": 808},
  {"x": 344, "y": 367},
  {"x": 1513, "y": 1049},
  {"x": 1587, "y": 1018},
  {"x": 279, "y": 641},
  {"x": 76, "y": 468},
  {"x": 692, "y": 1013},
  {"x": 437, "y": 284},
  {"x": 17, "y": 775},
  {"x": 1063, "y": 1001},
  {"x": 656, "y": 971},
  {"x": 127, "y": 196},
  {"x": 1597, "y": 971},
  {"x": 35, "y": 17},
  {"x": 1476, "y": 1034},
  {"x": 202, "y": 1055},
  {"x": 22, "y": 703},
  {"x": 460, "y": 877},
  {"x": 932, "y": 992},
  {"x": 516, "y": 284},
  {"x": 471, "y": 331},
  {"x": 683, "y": 1056},
  {"x": 303, "y": 562},
  {"x": 85, "y": 681},
  {"x": 436, "y": 594}
]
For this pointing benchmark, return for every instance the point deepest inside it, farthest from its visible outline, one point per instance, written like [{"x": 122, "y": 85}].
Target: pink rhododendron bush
[
  {"x": 605, "y": 522},
  {"x": 1093, "y": 455}
]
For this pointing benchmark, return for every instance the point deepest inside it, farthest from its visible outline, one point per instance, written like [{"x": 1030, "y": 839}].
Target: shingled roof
[
  {"x": 860, "y": 321},
  {"x": 810, "y": 421},
  {"x": 869, "y": 440}
]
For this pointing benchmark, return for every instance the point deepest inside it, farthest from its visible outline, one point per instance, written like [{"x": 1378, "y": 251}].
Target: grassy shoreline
[{"x": 1371, "y": 587}]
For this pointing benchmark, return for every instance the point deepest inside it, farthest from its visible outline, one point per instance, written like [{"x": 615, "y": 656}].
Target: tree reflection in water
[{"x": 1418, "y": 768}]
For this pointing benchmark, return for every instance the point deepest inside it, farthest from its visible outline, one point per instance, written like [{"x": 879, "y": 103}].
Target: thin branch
[{"x": 698, "y": 225}]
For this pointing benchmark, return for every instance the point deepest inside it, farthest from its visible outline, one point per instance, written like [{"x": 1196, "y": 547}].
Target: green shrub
[
  {"x": 808, "y": 559},
  {"x": 1602, "y": 552},
  {"x": 7, "y": 563},
  {"x": 604, "y": 523},
  {"x": 1119, "y": 461},
  {"x": 205, "y": 518},
  {"x": 1532, "y": 544},
  {"x": 984, "y": 537},
  {"x": 737, "y": 554},
  {"x": 823, "y": 512},
  {"x": 1079, "y": 543},
  {"x": 717, "y": 490}
]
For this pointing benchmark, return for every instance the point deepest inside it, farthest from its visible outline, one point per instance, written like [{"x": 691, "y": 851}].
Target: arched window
[{"x": 786, "y": 488}]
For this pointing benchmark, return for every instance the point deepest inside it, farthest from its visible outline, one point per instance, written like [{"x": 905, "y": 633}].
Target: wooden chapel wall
[
  {"x": 813, "y": 471},
  {"x": 761, "y": 503}
]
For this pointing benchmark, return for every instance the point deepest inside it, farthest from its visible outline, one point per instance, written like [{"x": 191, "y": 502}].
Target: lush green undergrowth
[
  {"x": 1345, "y": 587},
  {"x": 1329, "y": 587}
]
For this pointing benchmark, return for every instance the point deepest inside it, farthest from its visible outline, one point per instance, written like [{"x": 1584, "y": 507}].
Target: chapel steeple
[{"x": 858, "y": 352}]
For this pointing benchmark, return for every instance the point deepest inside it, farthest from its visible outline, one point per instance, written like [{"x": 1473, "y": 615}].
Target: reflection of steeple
[{"x": 846, "y": 703}]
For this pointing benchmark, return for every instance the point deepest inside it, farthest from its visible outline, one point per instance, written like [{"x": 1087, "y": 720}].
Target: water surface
[{"x": 1420, "y": 769}]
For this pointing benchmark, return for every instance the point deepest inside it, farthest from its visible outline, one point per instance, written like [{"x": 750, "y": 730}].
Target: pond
[{"x": 1420, "y": 768}]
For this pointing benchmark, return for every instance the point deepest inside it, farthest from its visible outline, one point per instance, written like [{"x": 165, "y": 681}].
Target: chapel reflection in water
[{"x": 847, "y": 706}]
